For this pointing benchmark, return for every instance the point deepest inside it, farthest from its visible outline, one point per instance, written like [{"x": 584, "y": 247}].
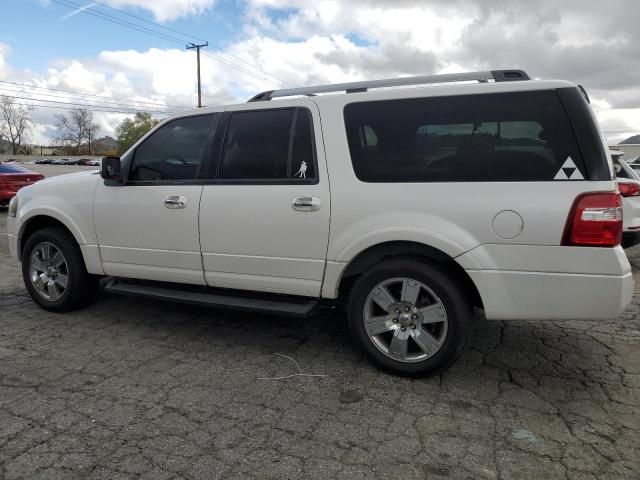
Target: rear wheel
[
  {"x": 54, "y": 273},
  {"x": 409, "y": 317}
]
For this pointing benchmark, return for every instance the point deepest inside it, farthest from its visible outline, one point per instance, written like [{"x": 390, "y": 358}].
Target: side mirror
[{"x": 111, "y": 169}]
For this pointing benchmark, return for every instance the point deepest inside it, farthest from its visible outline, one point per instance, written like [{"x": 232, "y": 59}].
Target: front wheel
[
  {"x": 54, "y": 272},
  {"x": 409, "y": 317}
]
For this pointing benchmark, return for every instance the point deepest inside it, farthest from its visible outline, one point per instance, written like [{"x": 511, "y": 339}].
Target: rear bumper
[
  {"x": 552, "y": 296},
  {"x": 529, "y": 282}
]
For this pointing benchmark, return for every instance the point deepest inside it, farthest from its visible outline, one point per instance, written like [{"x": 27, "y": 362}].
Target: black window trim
[
  {"x": 214, "y": 126},
  {"x": 223, "y": 127},
  {"x": 562, "y": 100}
]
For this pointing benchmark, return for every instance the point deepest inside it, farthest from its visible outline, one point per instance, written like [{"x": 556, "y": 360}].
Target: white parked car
[
  {"x": 410, "y": 206},
  {"x": 629, "y": 187}
]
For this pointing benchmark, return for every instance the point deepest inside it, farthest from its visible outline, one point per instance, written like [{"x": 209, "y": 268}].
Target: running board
[{"x": 276, "y": 304}]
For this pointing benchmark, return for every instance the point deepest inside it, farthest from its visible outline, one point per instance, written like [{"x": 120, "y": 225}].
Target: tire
[
  {"x": 441, "y": 310},
  {"x": 80, "y": 286}
]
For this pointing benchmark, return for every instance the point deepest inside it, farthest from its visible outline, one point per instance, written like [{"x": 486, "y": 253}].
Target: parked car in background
[
  {"x": 83, "y": 161},
  {"x": 61, "y": 161},
  {"x": 12, "y": 178},
  {"x": 629, "y": 186},
  {"x": 95, "y": 162}
]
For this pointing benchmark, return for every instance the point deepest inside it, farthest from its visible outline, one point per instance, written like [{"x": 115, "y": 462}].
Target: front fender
[{"x": 67, "y": 199}]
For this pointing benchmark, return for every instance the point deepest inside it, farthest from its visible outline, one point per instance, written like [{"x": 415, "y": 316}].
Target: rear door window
[
  {"x": 269, "y": 145},
  {"x": 521, "y": 136}
]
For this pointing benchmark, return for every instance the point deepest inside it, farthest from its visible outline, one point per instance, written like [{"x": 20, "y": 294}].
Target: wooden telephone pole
[{"x": 197, "y": 47}]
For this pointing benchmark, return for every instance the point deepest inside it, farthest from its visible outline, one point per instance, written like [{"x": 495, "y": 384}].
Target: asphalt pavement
[{"x": 133, "y": 388}]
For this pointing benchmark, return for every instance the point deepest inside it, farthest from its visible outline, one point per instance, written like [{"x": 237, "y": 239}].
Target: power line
[
  {"x": 25, "y": 89},
  {"x": 163, "y": 36},
  {"x": 256, "y": 67},
  {"x": 148, "y": 21},
  {"x": 76, "y": 105},
  {"x": 90, "y": 109}
]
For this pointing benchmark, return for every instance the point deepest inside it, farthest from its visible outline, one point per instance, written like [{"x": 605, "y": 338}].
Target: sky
[{"x": 128, "y": 55}]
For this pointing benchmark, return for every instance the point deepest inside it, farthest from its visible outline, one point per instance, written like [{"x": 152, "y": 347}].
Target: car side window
[
  {"x": 516, "y": 136},
  {"x": 275, "y": 144},
  {"x": 175, "y": 151}
]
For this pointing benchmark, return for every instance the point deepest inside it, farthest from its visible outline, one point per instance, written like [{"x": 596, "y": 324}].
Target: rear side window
[
  {"x": 175, "y": 151},
  {"x": 520, "y": 136},
  {"x": 268, "y": 145}
]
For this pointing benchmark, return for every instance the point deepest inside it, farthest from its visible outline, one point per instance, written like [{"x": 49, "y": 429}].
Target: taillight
[
  {"x": 595, "y": 220},
  {"x": 628, "y": 189}
]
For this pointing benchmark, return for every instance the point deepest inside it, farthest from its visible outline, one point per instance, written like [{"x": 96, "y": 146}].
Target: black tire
[
  {"x": 457, "y": 306},
  {"x": 81, "y": 286}
]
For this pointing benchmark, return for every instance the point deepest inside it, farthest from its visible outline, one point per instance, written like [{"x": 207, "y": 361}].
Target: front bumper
[{"x": 13, "y": 246}]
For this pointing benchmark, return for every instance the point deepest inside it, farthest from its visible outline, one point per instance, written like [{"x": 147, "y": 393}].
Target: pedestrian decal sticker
[
  {"x": 568, "y": 171},
  {"x": 302, "y": 173}
]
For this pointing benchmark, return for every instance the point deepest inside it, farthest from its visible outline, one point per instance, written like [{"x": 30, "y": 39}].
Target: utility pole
[{"x": 197, "y": 47}]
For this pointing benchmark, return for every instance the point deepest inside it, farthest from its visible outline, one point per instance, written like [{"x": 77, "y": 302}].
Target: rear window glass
[
  {"x": 6, "y": 168},
  {"x": 521, "y": 136}
]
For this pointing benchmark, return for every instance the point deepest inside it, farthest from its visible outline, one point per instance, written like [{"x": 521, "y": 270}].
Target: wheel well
[
  {"x": 378, "y": 253},
  {"x": 38, "y": 223}
]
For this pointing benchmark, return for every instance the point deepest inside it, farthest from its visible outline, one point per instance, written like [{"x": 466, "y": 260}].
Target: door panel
[
  {"x": 252, "y": 236},
  {"x": 140, "y": 237},
  {"x": 148, "y": 228}
]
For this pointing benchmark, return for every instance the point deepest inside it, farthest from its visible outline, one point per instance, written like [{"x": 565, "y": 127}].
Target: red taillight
[
  {"x": 595, "y": 220},
  {"x": 628, "y": 189}
]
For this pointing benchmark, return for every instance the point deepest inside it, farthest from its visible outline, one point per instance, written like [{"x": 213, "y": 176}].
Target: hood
[
  {"x": 67, "y": 177},
  {"x": 62, "y": 185}
]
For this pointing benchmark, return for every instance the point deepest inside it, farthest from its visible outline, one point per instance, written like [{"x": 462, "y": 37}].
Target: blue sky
[
  {"x": 50, "y": 37},
  {"x": 263, "y": 44}
]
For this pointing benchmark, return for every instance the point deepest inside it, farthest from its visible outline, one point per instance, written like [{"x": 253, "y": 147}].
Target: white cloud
[
  {"x": 303, "y": 42},
  {"x": 165, "y": 10},
  {"x": 4, "y": 66}
]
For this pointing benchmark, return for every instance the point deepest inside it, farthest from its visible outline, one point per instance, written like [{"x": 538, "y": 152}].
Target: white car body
[
  {"x": 249, "y": 238},
  {"x": 630, "y": 204}
]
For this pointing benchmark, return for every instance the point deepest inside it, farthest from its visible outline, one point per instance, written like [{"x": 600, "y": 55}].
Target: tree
[
  {"x": 76, "y": 130},
  {"x": 132, "y": 129},
  {"x": 15, "y": 122}
]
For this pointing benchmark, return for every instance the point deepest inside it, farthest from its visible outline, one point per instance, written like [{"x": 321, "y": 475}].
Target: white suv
[{"x": 413, "y": 205}]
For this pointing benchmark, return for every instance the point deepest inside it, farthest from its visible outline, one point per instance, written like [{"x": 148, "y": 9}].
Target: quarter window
[
  {"x": 175, "y": 151},
  {"x": 523, "y": 136},
  {"x": 269, "y": 145}
]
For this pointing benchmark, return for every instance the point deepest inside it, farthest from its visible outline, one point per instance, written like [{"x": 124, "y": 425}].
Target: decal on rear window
[{"x": 568, "y": 171}]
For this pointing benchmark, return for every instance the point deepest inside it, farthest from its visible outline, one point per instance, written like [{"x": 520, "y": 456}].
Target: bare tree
[
  {"x": 76, "y": 129},
  {"x": 15, "y": 122}
]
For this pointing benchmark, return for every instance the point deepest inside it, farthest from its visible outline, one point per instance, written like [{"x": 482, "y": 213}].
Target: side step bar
[{"x": 276, "y": 305}]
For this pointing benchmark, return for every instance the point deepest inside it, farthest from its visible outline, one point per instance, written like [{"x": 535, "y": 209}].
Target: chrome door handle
[
  {"x": 175, "y": 201},
  {"x": 306, "y": 204}
]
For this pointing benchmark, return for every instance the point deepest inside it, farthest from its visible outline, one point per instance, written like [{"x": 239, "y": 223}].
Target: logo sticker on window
[
  {"x": 568, "y": 171},
  {"x": 302, "y": 173}
]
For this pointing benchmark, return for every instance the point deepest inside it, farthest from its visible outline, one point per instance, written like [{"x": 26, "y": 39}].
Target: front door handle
[
  {"x": 175, "y": 201},
  {"x": 306, "y": 204}
]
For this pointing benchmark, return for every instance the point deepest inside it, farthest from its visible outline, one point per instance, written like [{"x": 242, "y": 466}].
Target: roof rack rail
[{"x": 354, "y": 87}]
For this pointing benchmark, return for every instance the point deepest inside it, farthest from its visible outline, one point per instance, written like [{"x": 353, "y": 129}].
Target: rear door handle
[
  {"x": 175, "y": 201},
  {"x": 306, "y": 204}
]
